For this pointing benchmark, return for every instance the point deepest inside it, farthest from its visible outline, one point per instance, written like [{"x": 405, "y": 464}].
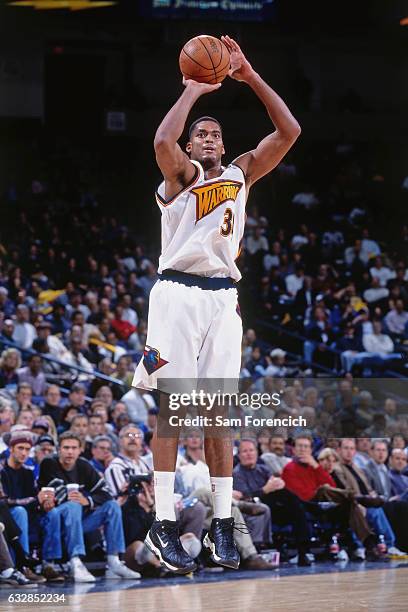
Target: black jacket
[{"x": 91, "y": 484}]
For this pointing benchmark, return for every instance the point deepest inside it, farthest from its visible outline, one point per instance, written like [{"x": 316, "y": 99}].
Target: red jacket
[{"x": 304, "y": 480}]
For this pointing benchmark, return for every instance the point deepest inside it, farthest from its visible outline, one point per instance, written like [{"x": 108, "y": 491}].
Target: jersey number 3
[{"x": 227, "y": 227}]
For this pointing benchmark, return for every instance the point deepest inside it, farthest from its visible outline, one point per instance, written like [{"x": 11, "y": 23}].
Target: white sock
[
  {"x": 221, "y": 488},
  {"x": 164, "y": 495},
  {"x": 7, "y": 572},
  {"x": 112, "y": 560}
]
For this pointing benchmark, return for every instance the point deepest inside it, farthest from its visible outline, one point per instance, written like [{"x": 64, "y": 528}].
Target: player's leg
[
  {"x": 170, "y": 355},
  {"x": 219, "y": 361}
]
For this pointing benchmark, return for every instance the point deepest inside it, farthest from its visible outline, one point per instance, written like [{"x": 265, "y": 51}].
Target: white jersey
[{"x": 202, "y": 226}]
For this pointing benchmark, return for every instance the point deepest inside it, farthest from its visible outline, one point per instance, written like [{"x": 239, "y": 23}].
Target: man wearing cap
[
  {"x": 277, "y": 367},
  {"x": 56, "y": 347},
  {"x": 44, "y": 447},
  {"x": 17, "y": 480},
  {"x": 33, "y": 375}
]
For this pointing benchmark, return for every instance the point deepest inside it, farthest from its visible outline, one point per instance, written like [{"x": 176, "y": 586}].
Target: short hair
[
  {"x": 199, "y": 120},
  {"x": 378, "y": 441},
  {"x": 326, "y": 452},
  {"x": 304, "y": 436},
  {"x": 251, "y": 440},
  {"x": 69, "y": 435},
  {"x": 24, "y": 385},
  {"x": 77, "y": 417},
  {"x": 101, "y": 438}
]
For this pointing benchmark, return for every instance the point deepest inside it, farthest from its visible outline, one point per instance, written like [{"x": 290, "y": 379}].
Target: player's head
[{"x": 205, "y": 141}]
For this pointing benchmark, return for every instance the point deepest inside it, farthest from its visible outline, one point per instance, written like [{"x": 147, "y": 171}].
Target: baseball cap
[
  {"x": 41, "y": 423},
  {"x": 277, "y": 353},
  {"x": 46, "y": 438}
]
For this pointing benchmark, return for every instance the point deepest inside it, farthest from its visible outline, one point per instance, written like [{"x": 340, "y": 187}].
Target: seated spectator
[
  {"x": 52, "y": 406},
  {"x": 18, "y": 484},
  {"x": 138, "y": 404},
  {"x": 33, "y": 375},
  {"x": 124, "y": 373},
  {"x": 137, "y": 519},
  {"x": 319, "y": 335},
  {"x": 380, "y": 479},
  {"x": 77, "y": 396},
  {"x": 8, "y": 331},
  {"x": 10, "y": 362},
  {"x": 383, "y": 273},
  {"x": 398, "y": 441},
  {"x": 24, "y": 398},
  {"x": 252, "y": 479},
  {"x": 44, "y": 447},
  {"x": 348, "y": 476},
  {"x": 303, "y": 475},
  {"x": 379, "y": 350},
  {"x": 24, "y": 332},
  {"x": 101, "y": 453},
  {"x": 397, "y": 466},
  {"x": 85, "y": 509},
  {"x": 7, "y": 420},
  {"x": 306, "y": 199},
  {"x": 79, "y": 426},
  {"x": 26, "y": 418},
  {"x": 396, "y": 320},
  {"x": 56, "y": 347},
  {"x": 76, "y": 357},
  {"x": 375, "y": 293},
  {"x": 362, "y": 456},
  {"x": 275, "y": 458}
]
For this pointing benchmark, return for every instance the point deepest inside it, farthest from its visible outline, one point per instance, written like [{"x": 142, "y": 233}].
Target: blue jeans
[
  {"x": 69, "y": 515},
  {"x": 20, "y": 516},
  {"x": 377, "y": 519}
]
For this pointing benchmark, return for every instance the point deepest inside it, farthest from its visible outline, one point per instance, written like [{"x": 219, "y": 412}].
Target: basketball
[{"x": 205, "y": 59}]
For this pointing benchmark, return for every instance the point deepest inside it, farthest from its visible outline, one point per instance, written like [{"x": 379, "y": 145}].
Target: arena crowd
[{"x": 74, "y": 434}]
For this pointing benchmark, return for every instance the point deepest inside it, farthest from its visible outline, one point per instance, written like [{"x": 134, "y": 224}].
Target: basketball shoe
[
  {"x": 221, "y": 544},
  {"x": 163, "y": 540}
]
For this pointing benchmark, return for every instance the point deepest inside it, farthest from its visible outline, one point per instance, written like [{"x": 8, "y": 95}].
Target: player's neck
[{"x": 213, "y": 172}]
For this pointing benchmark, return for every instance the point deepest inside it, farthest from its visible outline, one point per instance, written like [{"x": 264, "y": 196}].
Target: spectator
[
  {"x": 101, "y": 453},
  {"x": 275, "y": 459},
  {"x": 348, "y": 476},
  {"x": 24, "y": 332},
  {"x": 294, "y": 282},
  {"x": 7, "y": 419},
  {"x": 18, "y": 484},
  {"x": 303, "y": 475},
  {"x": 255, "y": 480},
  {"x": 362, "y": 456},
  {"x": 52, "y": 406},
  {"x": 383, "y": 273},
  {"x": 397, "y": 466},
  {"x": 10, "y": 362},
  {"x": 33, "y": 375},
  {"x": 123, "y": 372},
  {"x": 7, "y": 331},
  {"x": 396, "y": 319},
  {"x": 379, "y": 477},
  {"x": 256, "y": 241},
  {"x": 84, "y": 510}
]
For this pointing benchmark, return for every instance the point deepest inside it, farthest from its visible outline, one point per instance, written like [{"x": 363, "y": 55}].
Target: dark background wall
[{"x": 342, "y": 69}]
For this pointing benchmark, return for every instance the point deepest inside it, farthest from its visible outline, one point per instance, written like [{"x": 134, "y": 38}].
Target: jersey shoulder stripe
[{"x": 161, "y": 201}]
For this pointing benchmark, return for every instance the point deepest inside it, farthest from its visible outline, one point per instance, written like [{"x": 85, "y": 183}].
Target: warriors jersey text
[{"x": 203, "y": 225}]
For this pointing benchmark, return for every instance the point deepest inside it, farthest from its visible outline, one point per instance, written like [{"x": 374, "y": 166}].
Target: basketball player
[{"x": 194, "y": 327}]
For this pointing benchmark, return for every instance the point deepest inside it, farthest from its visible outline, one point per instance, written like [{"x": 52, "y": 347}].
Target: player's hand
[
  {"x": 241, "y": 69},
  {"x": 200, "y": 88}
]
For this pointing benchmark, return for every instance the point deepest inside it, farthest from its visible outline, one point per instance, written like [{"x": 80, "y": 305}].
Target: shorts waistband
[{"x": 192, "y": 280}]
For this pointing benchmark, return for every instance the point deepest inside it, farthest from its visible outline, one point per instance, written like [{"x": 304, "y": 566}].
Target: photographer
[{"x": 129, "y": 480}]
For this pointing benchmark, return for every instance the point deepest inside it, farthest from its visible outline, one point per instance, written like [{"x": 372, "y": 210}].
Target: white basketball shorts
[{"x": 192, "y": 333}]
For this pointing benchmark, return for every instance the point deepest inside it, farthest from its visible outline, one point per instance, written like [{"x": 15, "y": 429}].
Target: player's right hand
[{"x": 200, "y": 88}]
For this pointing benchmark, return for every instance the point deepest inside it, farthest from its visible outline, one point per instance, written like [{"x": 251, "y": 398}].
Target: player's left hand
[{"x": 241, "y": 69}]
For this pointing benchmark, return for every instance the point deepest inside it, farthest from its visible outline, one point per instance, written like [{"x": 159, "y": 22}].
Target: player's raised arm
[
  {"x": 173, "y": 162},
  {"x": 273, "y": 148}
]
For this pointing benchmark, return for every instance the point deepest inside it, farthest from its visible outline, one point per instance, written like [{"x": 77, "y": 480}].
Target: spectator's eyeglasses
[{"x": 132, "y": 435}]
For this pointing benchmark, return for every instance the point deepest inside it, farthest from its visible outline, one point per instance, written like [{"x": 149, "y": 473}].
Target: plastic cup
[{"x": 72, "y": 486}]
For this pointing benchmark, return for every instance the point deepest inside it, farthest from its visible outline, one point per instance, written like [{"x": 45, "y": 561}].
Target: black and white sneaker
[
  {"x": 163, "y": 540},
  {"x": 221, "y": 544}
]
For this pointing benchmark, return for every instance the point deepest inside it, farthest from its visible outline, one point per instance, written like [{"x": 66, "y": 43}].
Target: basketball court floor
[{"x": 374, "y": 587}]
